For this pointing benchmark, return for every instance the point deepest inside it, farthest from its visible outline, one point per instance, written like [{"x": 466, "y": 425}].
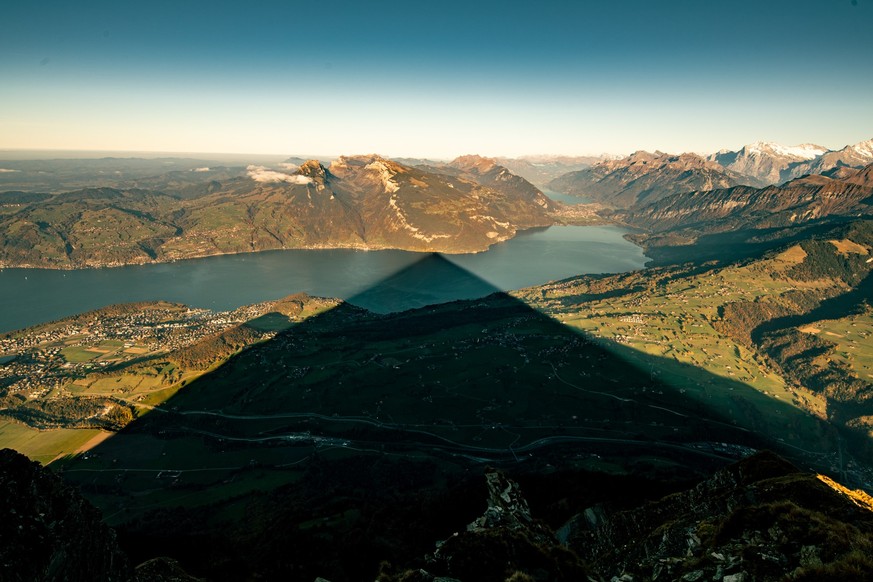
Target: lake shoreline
[
  {"x": 381, "y": 280},
  {"x": 319, "y": 247}
]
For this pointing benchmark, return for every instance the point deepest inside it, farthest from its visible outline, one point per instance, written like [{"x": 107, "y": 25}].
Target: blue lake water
[
  {"x": 382, "y": 281},
  {"x": 566, "y": 198}
]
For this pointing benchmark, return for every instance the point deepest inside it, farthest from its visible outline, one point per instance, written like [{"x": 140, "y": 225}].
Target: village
[{"x": 35, "y": 361}]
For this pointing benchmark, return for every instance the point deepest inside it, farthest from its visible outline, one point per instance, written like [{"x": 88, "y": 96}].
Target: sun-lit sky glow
[{"x": 436, "y": 79}]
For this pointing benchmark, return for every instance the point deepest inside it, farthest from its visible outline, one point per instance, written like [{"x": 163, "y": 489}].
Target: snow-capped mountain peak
[
  {"x": 805, "y": 151},
  {"x": 864, "y": 148}
]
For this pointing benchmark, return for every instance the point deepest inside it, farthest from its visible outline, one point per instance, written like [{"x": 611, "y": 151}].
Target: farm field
[{"x": 44, "y": 446}]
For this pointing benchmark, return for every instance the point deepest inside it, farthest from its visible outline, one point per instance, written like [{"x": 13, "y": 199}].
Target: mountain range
[
  {"x": 134, "y": 216},
  {"x": 363, "y": 202},
  {"x": 772, "y": 163},
  {"x": 681, "y": 219},
  {"x": 769, "y": 162},
  {"x": 644, "y": 177}
]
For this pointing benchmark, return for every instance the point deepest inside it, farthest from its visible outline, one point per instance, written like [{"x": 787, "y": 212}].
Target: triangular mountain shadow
[
  {"x": 424, "y": 282},
  {"x": 353, "y": 437}
]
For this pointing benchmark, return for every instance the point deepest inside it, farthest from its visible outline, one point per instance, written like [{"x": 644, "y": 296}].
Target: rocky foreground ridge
[
  {"x": 49, "y": 532},
  {"x": 759, "y": 519}
]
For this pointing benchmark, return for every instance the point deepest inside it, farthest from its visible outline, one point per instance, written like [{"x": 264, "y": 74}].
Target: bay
[{"x": 381, "y": 281}]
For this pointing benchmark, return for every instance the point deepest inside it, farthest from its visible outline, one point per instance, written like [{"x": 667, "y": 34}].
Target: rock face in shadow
[
  {"x": 505, "y": 541},
  {"x": 162, "y": 570},
  {"x": 507, "y": 508},
  {"x": 49, "y": 532},
  {"x": 759, "y": 519}
]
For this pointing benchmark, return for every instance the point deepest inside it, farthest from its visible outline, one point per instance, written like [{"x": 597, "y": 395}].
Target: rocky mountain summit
[
  {"x": 645, "y": 177},
  {"x": 489, "y": 173},
  {"x": 773, "y": 163},
  {"x": 504, "y": 543},
  {"x": 769, "y": 162},
  {"x": 851, "y": 156}
]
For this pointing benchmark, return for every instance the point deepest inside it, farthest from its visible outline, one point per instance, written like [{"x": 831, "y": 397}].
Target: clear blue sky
[{"x": 437, "y": 78}]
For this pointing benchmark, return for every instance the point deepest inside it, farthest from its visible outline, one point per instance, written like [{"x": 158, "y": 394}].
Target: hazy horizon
[
  {"x": 436, "y": 80},
  {"x": 15, "y": 154}
]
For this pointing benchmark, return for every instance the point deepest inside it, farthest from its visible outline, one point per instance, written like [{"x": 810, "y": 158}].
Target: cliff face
[{"x": 49, "y": 531}]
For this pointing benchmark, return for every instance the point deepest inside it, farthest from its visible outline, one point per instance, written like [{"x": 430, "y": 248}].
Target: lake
[
  {"x": 382, "y": 281},
  {"x": 566, "y": 198}
]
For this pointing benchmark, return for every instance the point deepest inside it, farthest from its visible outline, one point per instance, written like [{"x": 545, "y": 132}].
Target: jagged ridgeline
[
  {"x": 751, "y": 218},
  {"x": 644, "y": 178},
  {"x": 759, "y": 519},
  {"x": 773, "y": 163}
]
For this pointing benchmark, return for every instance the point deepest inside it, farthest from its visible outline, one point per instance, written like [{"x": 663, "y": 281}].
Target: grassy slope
[{"x": 702, "y": 321}]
